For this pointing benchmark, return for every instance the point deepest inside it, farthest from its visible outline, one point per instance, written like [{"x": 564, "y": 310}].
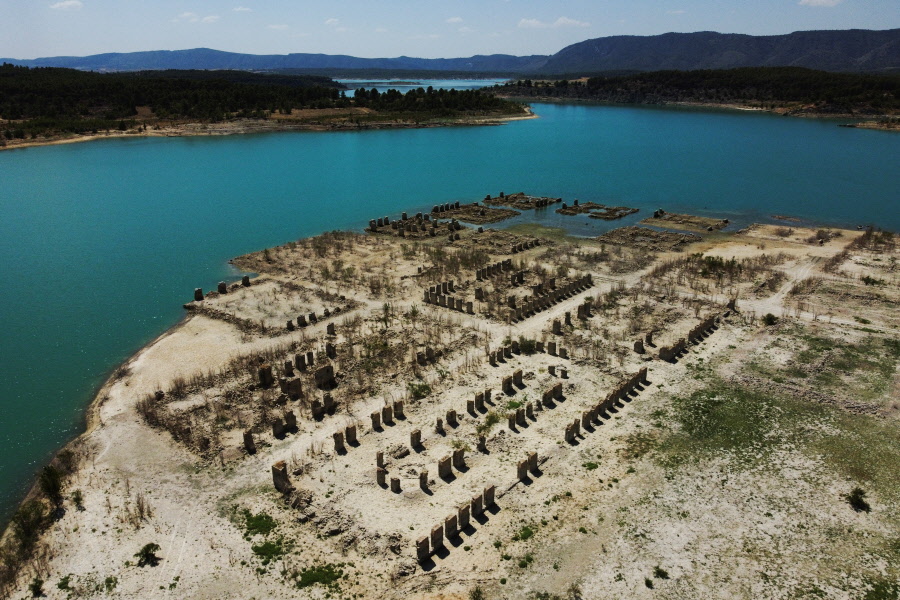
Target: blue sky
[{"x": 388, "y": 28}]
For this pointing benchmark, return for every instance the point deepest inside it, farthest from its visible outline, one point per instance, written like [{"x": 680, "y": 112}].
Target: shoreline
[
  {"x": 248, "y": 126},
  {"x": 870, "y": 122},
  {"x": 151, "y": 461}
]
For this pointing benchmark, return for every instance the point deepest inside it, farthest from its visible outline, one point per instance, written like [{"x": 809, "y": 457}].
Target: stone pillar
[
  {"x": 329, "y": 329},
  {"x": 477, "y": 505},
  {"x": 529, "y": 410},
  {"x": 300, "y": 361},
  {"x": 520, "y": 417},
  {"x": 517, "y": 378},
  {"x": 639, "y": 346},
  {"x": 317, "y": 411},
  {"x": 563, "y": 353},
  {"x": 551, "y": 348},
  {"x": 437, "y": 537},
  {"x": 479, "y": 401},
  {"x": 585, "y": 419},
  {"x": 439, "y": 426},
  {"x": 568, "y": 319},
  {"x": 387, "y": 415},
  {"x": 422, "y": 549},
  {"x": 310, "y": 358},
  {"x": 379, "y": 460},
  {"x": 470, "y": 407},
  {"x": 280, "y": 477},
  {"x": 265, "y": 376},
  {"x": 398, "y": 409},
  {"x": 415, "y": 438},
  {"x": 462, "y": 516},
  {"x": 376, "y": 420},
  {"x": 330, "y": 404},
  {"x": 511, "y": 417},
  {"x": 350, "y": 434},
  {"x": 451, "y": 418},
  {"x": 301, "y": 321},
  {"x": 489, "y": 493},
  {"x": 487, "y": 395},
  {"x": 249, "y": 444},
  {"x": 507, "y": 385},
  {"x": 395, "y": 485},
  {"x": 288, "y": 368},
  {"x": 380, "y": 477},
  {"x": 482, "y": 443},
  {"x": 278, "y": 428},
  {"x": 564, "y": 373},
  {"x": 552, "y": 370},
  {"x": 522, "y": 470},
  {"x": 245, "y": 281},
  {"x": 330, "y": 350},
  {"x": 423, "y": 479},
  {"x": 444, "y": 469},
  {"x": 451, "y": 525},
  {"x": 198, "y": 294},
  {"x": 290, "y": 325},
  {"x": 557, "y": 391},
  {"x": 557, "y": 327},
  {"x": 290, "y": 420},
  {"x": 339, "y": 442},
  {"x": 459, "y": 459}
]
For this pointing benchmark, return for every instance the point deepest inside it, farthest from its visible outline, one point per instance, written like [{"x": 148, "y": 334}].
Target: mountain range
[{"x": 852, "y": 50}]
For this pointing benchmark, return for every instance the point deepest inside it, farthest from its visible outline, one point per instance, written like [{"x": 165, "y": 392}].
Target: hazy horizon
[{"x": 401, "y": 28}]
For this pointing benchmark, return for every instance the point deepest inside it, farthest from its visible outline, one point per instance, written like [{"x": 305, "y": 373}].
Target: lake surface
[{"x": 104, "y": 241}]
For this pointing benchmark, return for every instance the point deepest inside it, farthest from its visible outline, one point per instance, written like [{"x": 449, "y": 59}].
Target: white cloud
[
  {"x": 67, "y": 5},
  {"x": 279, "y": 26},
  {"x": 210, "y": 19},
  {"x": 332, "y": 21},
  {"x": 454, "y": 20},
  {"x": 465, "y": 30},
  {"x": 242, "y": 9},
  {"x": 820, "y": 2},
  {"x": 191, "y": 17},
  {"x": 560, "y": 22}
]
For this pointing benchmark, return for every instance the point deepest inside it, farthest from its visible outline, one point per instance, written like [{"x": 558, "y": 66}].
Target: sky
[{"x": 389, "y": 28}]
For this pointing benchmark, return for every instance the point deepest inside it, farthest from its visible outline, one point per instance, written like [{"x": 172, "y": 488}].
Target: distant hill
[
  {"x": 853, "y": 50},
  {"x": 204, "y": 58}
]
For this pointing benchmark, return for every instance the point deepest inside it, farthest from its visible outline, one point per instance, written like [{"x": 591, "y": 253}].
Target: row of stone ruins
[
  {"x": 544, "y": 301},
  {"x": 222, "y": 288},
  {"x": 593, "y": 415},
  {"x": 455, "y": 523},
  {"x": 312, "y": 319}
]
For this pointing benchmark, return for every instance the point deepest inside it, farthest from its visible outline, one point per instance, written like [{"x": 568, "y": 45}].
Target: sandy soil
[{"x": 638, "y": 506}]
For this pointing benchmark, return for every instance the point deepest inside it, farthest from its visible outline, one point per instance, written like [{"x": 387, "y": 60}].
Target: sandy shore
[
  {"x": 278, "y": 124},
  {"x": 601, "y": 513}
]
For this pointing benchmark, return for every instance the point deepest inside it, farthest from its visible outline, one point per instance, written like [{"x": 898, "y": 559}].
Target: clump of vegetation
[
  {"x": 476, "y": 593},
  {"x": 258, "y": 524},
  {"x": 769, "y": 319},
  {"x": 857, "y": 499},
  {"x": 590, "y": 466},
  {"x": 523, "y": 534},
  {"x": 36, "y": 587},
  {"x": 327, "y": 575},
  {"x": 660, "y": 573},
  {"x": 418, "y": 390},
  {"x": 527, "y": 346},
  {"x": 491, "y": 419},
  {"x": 271, "y": 550},
  {"x": 147, "y": 555}
]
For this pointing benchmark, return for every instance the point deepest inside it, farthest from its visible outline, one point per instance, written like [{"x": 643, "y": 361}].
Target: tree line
[
  {"x": 48, "y": 101},
  {"x": 767, "y": 87}
]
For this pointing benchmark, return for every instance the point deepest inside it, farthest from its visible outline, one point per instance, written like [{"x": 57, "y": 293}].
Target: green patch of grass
[
  {"x": 271, "y": 550},
  {"x": 327, "y": 575},
  {"x": 590, "y": 466},
  {"x": 258, "y": 524},
  {"x": 418, "y": 390},
  {"x": 513, "y": 405},
  {"x": 882, "y": 589},
  {"x": 523, "y": 534}
]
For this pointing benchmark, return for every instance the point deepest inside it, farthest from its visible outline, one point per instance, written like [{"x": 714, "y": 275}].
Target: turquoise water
[{"x": 104, "y": 241}]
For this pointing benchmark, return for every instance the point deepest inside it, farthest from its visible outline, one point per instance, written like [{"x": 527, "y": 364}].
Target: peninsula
[{"x": 430, "y": 409}]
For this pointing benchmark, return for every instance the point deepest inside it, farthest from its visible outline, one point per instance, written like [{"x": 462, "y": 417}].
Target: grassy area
[{"x": 552, "y": 233}]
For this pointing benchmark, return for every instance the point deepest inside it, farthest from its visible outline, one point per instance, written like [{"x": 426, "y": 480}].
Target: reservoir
[{"x": 103, "y": 242}]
